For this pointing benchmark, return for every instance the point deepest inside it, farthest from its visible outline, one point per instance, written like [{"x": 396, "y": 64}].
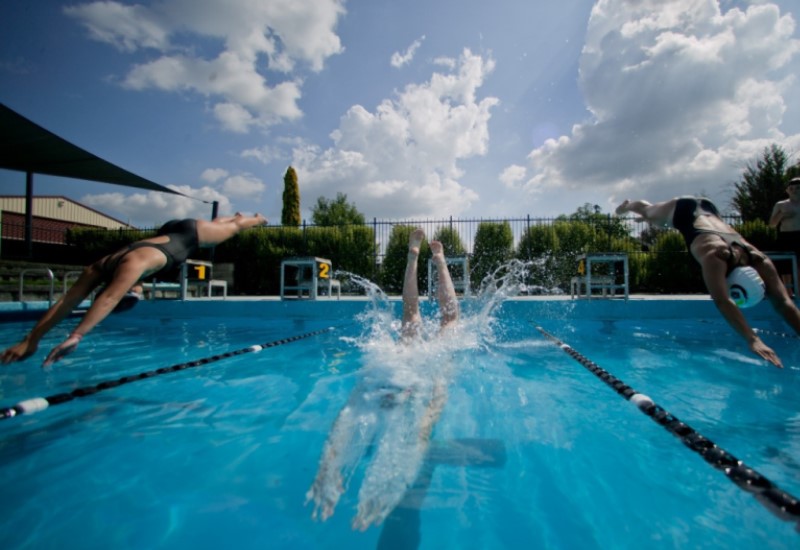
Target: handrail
[
  {"x": 67, "y": 275},
  {"x": 42, "y": 270}
]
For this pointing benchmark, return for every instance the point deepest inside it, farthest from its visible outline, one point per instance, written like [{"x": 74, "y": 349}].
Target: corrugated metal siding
[{"x": 61, "y": 208}]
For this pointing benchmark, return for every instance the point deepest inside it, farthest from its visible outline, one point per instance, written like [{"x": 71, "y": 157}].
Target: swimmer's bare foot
[
  {"x": 622, "y": 208},
  {"x": 436, "y": 248},
  {"x": 415, "y": 240}
]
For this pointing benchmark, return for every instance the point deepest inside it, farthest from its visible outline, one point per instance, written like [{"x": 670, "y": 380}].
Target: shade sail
[{"x": 27, "y": 147}]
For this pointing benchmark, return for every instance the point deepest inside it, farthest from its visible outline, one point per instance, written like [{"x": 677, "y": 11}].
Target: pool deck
[{"x": 638, "y": 306}]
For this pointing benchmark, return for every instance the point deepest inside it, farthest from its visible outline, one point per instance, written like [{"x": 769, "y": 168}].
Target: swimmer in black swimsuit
[
  {"x": 174, "y": 243},
  {"x": 719, "y": 249}
]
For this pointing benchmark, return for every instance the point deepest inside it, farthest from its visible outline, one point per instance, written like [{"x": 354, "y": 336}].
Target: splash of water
[
  {"x": 381, "y": 326},
  {"x": 402, "y": 389}
]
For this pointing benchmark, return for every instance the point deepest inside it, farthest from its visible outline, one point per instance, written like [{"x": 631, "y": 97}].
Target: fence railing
[{"x": 466, "y": 228}]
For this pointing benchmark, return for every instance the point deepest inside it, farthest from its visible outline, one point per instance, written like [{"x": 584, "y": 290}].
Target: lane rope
[
  {"x": 36, "y": 404},
  {"x": 782, "y": 504}
]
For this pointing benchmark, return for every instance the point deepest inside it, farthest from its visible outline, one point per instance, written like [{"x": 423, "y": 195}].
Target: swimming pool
[{"x": 531, "y": 449}]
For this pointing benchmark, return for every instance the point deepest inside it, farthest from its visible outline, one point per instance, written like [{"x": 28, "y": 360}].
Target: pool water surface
[{"x": 531, "y": 449}]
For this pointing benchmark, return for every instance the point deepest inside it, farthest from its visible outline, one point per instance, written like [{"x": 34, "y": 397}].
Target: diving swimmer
[
  {"x": 121, "y": 271},
  {"x": 393, "y": 411}
]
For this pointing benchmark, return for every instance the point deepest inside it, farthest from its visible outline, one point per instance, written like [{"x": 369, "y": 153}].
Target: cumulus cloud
[
  {"x": 285, "y": 33},
  {"x": 400, "y": 59},
  {"x": 401, "y": 160},
  {"x": 213, "y": 175},
  {"x": 681, "y": 94},
  {"x": 265, "y": 154},
  {"x": 152, "y": 208},
  {"x": 243, "y": 186},
  {"x": 513, "y": 175}
]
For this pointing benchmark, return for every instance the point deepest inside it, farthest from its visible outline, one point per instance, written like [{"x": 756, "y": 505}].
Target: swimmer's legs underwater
[
  {"x": 405, "y": 417},
  {"x": 351, "y": 434}
]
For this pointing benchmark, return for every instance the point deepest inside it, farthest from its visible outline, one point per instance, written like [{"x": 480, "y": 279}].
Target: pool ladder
[{"x": 42, "y": 271}]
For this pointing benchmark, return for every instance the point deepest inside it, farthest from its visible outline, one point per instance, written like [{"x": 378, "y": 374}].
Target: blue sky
[{"x": 414, "y": 109}]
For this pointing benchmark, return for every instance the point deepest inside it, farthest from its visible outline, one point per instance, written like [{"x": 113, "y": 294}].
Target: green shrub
[{"x": 494, "y": 246}]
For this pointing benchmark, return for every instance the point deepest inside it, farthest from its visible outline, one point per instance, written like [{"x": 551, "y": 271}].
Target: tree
[
  {"x": 290, "y": 215},
  {"x": 494, "y": 246},
  {"x": 605, "y": 225},
  {"x": 451, "y": 241},
  {"x": 763, "y": 184},
  {"x": 336, "y": 212}
]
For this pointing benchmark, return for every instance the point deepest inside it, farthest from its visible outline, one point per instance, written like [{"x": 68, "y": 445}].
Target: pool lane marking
[
  {"x": 782, "y": 504},
  {"x": 36, "y": 404}
]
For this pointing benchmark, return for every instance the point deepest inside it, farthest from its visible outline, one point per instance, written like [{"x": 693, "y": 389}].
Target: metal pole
[{"x": 29, "y": 215}]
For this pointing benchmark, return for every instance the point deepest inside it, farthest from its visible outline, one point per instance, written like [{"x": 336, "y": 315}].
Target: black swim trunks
[
  {"x": 688, "y": 209},
  {"x": 789, "y": 241},
  {"x": 183, "y": 242}
]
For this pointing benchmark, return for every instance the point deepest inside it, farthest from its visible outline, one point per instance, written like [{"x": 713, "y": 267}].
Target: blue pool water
[{"x": 531, "y": 450}]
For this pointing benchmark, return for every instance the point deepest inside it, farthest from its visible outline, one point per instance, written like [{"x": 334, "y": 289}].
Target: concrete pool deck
[{"x": 637, "y": 306}]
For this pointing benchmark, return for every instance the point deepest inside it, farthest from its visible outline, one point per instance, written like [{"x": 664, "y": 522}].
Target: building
[{"x": 52, "y": 216}]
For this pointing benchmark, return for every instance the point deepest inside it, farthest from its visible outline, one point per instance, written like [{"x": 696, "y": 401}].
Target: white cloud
[
  {"x": 213, "y": 175},
  {"x": 127, "y": 28},
  {"x": 681, "y": 94},
  {"x": 152, "y": 209},
  {"x": 402, "y": 159},
  {"x": 285, "y": 33},
  {"x": 512, "y": 175},
  {"x": 398, "y": 60},
  {"x": 243, "y": 186},
  {"x": 265, "y": 154}
]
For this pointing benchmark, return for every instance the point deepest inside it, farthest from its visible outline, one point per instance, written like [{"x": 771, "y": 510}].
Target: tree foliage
[
  {"x": 451, "y": 241},
  {"x": 763, "y": 184},
  {"x": 290, "y": 215},
  {"x": 330, "y": 212},
  {"x": 494, "y": 246}
]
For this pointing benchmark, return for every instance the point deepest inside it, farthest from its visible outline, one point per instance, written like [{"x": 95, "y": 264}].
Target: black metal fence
[
  {"x": 658, "y": 264},
  {"x": 466, "y": 228}
]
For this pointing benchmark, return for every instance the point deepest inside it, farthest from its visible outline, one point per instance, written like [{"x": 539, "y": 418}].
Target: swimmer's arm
[
  {"x": 88, "y": 281},
  {"x": 656, "y": 214},
  {"x": 105, "y": 303},
  {"x": 714, "y": 277},
  {"x": 124, "y": 278}
]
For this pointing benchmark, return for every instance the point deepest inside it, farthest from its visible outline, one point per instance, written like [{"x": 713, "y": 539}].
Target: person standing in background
[{"x": 786, "y": 219}]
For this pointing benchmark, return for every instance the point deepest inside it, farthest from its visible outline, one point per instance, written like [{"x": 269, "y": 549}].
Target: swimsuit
[
  {"x": 789, "y": 241},
  {"x": 182, "y": 243},
  {"x": 688, "y": 209}
]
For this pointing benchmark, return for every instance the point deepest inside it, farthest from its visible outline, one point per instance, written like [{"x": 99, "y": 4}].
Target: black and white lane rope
[
  {"x": 36, "y": 404},
  {"x": 782, "y": 504}
]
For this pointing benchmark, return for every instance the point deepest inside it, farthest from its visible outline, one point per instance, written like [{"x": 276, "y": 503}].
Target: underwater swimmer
[{"x": 401, "y": 415}]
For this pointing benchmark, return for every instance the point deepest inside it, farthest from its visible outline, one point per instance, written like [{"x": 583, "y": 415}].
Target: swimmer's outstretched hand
[
  {"x": 64, "y": 348},
  {"x": 760, "y": 348},
  {"x": 19, "y": 351}
]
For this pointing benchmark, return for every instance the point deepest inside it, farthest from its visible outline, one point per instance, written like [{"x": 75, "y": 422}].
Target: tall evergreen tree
[
  {"x": 762, "y": 184},
  {"x": 290, "y": 215}
]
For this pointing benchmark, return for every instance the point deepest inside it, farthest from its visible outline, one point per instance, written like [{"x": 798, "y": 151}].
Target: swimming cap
[{"x": 745, "y": 287}]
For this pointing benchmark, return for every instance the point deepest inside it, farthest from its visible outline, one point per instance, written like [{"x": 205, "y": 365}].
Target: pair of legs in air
[
  {"x": 445, "y": 292},
  {"x": 395, "y": 420}
]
